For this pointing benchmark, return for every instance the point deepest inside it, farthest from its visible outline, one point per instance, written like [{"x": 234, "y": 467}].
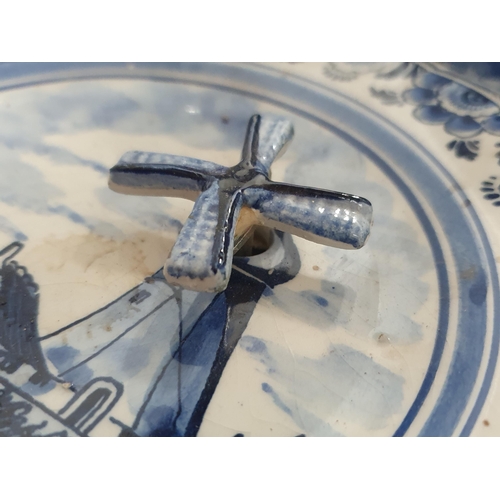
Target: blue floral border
[{"x": 461, "y": 111}]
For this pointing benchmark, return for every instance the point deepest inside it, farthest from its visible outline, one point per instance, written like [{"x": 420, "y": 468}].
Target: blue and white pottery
[
  {"x": 99, "y": 337},
  {"x": 229, "y": 202}
]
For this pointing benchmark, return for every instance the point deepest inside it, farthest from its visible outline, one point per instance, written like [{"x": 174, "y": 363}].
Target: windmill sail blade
[
  {"x": 265, "y": 140},
  {"x": 326, "y": 217},
  {"x": 154, "y": 174},
  {"x": 202, "y": 255}
]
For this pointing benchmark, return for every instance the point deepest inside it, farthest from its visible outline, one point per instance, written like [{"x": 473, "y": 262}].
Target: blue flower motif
[
  {"x": 429, "y": 81},
  {"x": 492, "y": 125},
  {"x": 461, "y": 111},
  {"x": 463, "y": 127},
  {"x": 432, "y": 114},
  {"x": 464, "y": 112},
  {"x": 464, "y": 149},
  {"x": 466, "y": 102}
]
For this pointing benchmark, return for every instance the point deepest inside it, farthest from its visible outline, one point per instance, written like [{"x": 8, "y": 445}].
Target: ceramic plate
[{"x": 397, "y": 338}]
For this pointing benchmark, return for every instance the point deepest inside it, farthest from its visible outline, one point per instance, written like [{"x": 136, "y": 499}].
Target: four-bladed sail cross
[{"x": 229, "y": 201}]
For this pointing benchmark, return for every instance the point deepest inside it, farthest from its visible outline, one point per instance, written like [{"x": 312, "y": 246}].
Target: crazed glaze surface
[
  {"x": 201, "y": 258},
  {"x": 398, "y": 338}
]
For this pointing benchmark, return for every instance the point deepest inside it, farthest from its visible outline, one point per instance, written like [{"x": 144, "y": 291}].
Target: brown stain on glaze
[
  {"x": 468, "y": 274},
  {"x": 82, "y": 273},
  {"x": 383, "y": 338},
  {"x": 246, "y": 220}
]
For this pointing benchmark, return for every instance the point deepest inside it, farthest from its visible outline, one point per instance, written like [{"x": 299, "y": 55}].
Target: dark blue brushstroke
[
  {"x": 66, "y": 211},
  {"x": 276, "y": 399},
  {"x": 255, "y": 345},
  {"x": 19, "y": 302},
  {"x": 321, "y": 301},
  {"x": 8, "y": 228}
]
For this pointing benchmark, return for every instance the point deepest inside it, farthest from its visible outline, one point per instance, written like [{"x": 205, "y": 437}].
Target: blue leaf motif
[
  {"x": 429, "y": 81},
  {"x": 492, "y": 125},
  {"x": 463, "y": 127},
  {"x": 464, "y": 149},
  {"x": 491, "y": 188},
  {"x": 420, "y": 96},
  {"x": 432, "y": 114}
]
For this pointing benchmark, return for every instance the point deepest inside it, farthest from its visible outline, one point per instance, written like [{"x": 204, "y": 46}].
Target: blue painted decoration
[
  {"x": 491, "y": 190},
  {"x": 202, "y": 255},
  {"x": 465, "y": 110},
  {"x": 181, "y": 342},
  {"x": 97, "y": 382}
]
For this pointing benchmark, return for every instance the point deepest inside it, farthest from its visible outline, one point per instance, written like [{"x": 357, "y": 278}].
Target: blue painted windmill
[
  {"x": 149, "y": 362},
  {"x": 230, "y": 201}
]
